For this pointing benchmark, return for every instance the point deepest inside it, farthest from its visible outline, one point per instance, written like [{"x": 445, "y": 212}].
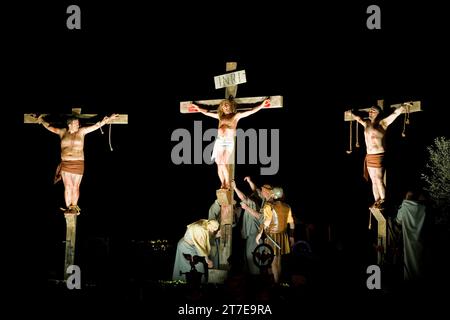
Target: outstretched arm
[
  {"x": 390, "y": 118},
  {"x": 250, "y": 182},
  {"x": 99, "y": 124},
  {"x": 40, "y": 120},
  {"x": 205, "y": 112},
  {"x": 244, "y": 114},
  {"x": 238, "y": 192},
  {"x": 358, "y": 118}
]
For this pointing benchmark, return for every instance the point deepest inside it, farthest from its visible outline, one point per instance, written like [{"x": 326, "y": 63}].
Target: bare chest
[
  {"x": 227, "y": 122},
  {"x": 373, "y": 132},
  {"x": 72, "y": 140}
]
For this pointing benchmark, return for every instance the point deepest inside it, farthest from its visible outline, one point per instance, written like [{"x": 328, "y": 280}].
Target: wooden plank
[
  {"x": 225, "y": 197},
  {"x": 71, "y": 225},
  {"x": 381, "y": 233},
  {"x": 380, "y": 103},
  {"x": 226, "y": 222},
  {"x": 413, "y": 106},
  {"x": 348, "y": 116},
  {"x": 230, "y": 66},
  {"x": 230, "y": 79},
  {"x": 217, "y": 275},
  {"x": 122, "y": 118},
  {"x": 29, "y": 118},
  {"x": 275, "y": 102},
  {"x": 230, "y": 91}
]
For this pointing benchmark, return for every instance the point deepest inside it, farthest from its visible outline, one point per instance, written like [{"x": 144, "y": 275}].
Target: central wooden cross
[
  {"x": 230, "y": 82},
  {"x": 71, "y": 219}
]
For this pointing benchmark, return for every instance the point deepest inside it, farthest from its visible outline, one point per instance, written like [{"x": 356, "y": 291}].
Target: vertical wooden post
[
  {"x": 71, "y": 226},
  {"x": 381, "y": 234},
  {"x": 231, "y": 90},
  {"x": 226, "y": 196},
  {"x": 380, "y": 103}
]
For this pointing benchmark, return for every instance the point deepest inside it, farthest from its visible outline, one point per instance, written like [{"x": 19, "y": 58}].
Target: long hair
[
  {"x": 220, "y": 107},
  {"x": 214, "y": 223},
  {"x": 380, "y": 114},
  {"x": 204, "y": 223}
]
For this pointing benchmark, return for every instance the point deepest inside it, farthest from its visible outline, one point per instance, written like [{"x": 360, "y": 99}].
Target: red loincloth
[
  {"x": 72, "y": 166},
  {"x": 373, "y": 161}
]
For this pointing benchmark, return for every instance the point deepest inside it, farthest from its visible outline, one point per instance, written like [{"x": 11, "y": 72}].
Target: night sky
[{"x": 144, "y": 60}]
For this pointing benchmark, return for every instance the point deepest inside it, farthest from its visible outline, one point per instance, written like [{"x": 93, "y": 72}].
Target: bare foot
[
  {"x": 73, "y": 210},
  {"x": 380, "y": 204}
]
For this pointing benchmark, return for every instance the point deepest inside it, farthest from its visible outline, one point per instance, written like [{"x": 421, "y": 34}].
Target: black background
[{"x": 144, "y": 59}]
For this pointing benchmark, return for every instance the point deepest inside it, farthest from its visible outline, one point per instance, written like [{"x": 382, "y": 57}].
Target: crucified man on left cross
[{"x": 71, "y": 168}]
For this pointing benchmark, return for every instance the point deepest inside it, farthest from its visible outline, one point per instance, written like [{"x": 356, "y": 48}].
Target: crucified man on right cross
[
  {"x": 374, "y": 133},
  {"x": 224, "y": 144}
]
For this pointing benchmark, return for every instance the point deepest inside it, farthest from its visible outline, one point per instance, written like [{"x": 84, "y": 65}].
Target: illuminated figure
[
  {"x": 71, "y": 168},
  {"x": 374, "y": 134},
  {"x": 224, "y": 144}
]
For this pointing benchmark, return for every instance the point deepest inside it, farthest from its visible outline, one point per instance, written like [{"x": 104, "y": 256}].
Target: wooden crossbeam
[
  {"x": 122, "y": 118},
  {"x": 211, "y": 105},
  {"x": 76, "y": 112},
  {"x": 412, "y": 106}
]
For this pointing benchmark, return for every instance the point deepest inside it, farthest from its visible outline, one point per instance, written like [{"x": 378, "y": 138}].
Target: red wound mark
[
  {"x": 267, "y": 104},
  {"x": 192, "y": 109}
]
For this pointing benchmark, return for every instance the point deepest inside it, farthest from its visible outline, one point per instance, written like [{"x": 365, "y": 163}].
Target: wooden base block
[
  {"x": 217, "y": 275},
  {"x": 224, "y": 197}
]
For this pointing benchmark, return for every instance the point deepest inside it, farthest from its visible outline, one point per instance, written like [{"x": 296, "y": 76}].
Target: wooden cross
[
  {"x": 71, "y": 219},
  {"x": 225, "y": 197},
  {"x": 411, "y": 106}
]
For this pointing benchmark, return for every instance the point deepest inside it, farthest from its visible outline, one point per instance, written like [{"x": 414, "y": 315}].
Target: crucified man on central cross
[
  {"x": 229, "y": 111},
  {"x": 224, "y": 144}
]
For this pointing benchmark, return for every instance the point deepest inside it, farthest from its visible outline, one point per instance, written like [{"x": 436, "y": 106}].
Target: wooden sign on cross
[
  {"x": 225, "y": 196},
  {"x": 71, "y": 219}
]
